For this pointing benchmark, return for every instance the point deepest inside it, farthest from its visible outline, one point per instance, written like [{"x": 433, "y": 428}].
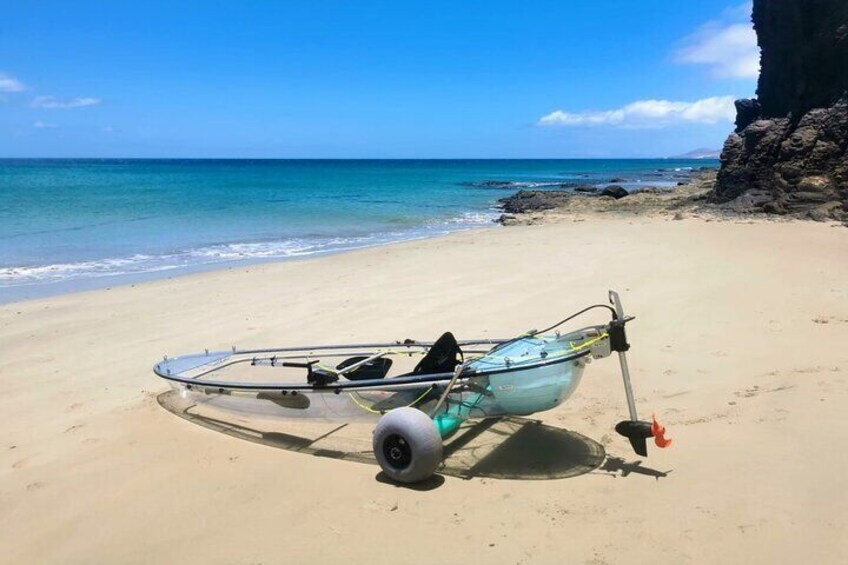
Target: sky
[{"x": 308, "y": 79}]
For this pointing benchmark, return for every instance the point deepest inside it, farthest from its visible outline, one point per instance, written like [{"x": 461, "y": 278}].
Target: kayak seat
[
  {"x": 372, "y": 370},
  {"x": 443, "y": 357}
]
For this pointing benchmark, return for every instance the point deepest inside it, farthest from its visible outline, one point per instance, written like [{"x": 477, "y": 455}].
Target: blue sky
[{"x": 589, "y": 78}]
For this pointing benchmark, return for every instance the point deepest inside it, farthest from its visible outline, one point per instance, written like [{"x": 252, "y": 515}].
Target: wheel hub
[{"x": 397, "y": 451}]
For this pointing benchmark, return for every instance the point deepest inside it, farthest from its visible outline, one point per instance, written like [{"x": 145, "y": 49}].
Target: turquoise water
[{"x": 68, "y": 224}]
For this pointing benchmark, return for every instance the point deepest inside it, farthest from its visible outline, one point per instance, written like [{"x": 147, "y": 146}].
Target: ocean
[{"x": 76, "y": 224}]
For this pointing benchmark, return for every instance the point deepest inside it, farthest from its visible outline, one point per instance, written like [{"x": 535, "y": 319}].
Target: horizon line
[{"x": 677, "y": 157}]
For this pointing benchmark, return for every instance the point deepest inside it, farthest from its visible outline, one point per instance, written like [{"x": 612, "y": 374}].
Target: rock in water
[
  {"x": 525, "y": 201},
  {"x": 585, "y": 189},
  {"x": 789, "y": 153},
  {"x": 615, "y": 191}
]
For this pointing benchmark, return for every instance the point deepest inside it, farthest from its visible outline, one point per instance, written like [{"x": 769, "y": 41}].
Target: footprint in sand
[
  {"x": 748, "y": 392},
  {"x": 817, "y": 369},
  {"x": 829, "y": 319},
  {"x": 701, "y": 420},
  {"x": 380, "y": 506},
  {"x": 21, "y": 463},
  {"x": 35, "y": 486},
  {"x": 756, "y": 390}
]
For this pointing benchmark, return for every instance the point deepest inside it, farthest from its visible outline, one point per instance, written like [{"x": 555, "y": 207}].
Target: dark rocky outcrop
[
  {"x": 804, "y": 45},
  {"x": 525, "y": 201},
  {"x": 789, "y": 153},
  {"x": 529, "y": 207},
  {"x": 748, "y": 110},
  {"x": 615, "y": 191}
]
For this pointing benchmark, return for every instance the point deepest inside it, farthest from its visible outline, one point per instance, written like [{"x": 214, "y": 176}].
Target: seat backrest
[{"x": 443, "y": 357}]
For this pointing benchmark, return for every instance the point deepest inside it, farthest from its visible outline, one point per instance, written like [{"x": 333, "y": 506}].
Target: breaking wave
[{"x": 224, "y": 253}]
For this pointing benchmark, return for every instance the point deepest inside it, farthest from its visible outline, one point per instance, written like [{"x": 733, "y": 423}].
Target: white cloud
[
  {"x": 51, "y": 102},
  {"x": 727, "y": 46},
  {"x": 10, "y": 84},
  {"x": 44, "y": 125},
  {"x": 649, "y": 114}
]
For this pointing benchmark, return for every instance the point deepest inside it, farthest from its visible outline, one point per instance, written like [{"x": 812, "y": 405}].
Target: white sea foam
[
  {"x": 518, "y": 184},
  {"x": 537, "y": 184},
  {"x": 140, "y": 263},
  {"x": 470, "y": 219},
  {"x": 228, "y": 253},
  {"x": 63, "y": 271}
]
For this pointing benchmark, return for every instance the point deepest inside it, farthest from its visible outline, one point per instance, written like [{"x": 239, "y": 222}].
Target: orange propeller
[{"x": 658, "y": 431}]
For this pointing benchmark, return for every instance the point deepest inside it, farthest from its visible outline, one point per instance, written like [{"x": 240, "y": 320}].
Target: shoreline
[
  {"x": 685, "y": 201},
  {"x": 283, "y": 210},
  {"x": 17, "y": 293},
  {"x": 180, "y": 263},
  {"x": 208, "y": 276}
]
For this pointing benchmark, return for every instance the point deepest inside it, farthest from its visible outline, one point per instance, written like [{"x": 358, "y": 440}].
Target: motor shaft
[{"x": 628, "y": 389}]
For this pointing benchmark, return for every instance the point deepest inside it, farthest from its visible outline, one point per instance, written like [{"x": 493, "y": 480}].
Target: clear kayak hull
[{"x": 511, "y": 377}]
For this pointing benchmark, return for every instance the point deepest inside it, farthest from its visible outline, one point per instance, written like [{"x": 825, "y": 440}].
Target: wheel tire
[{"x": 407, "y": 445}]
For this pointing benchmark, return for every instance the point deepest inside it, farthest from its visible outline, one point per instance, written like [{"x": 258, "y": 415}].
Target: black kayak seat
[
  {"x": 443, "y": 357},
  {"x": 372, "y": 370}
]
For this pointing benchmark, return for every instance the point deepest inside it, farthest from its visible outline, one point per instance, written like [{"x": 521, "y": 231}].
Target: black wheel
[{"x": 397, "y": 452}]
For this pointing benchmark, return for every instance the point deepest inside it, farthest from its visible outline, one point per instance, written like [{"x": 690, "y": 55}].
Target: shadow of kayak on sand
[{"x": 505, "y": 448}]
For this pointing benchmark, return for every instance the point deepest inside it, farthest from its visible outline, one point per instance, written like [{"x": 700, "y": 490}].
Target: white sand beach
[{"x": 738, "y": 347}]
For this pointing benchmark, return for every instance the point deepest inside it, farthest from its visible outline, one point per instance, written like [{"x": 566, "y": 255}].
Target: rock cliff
[{"x": 789, "y": 153}]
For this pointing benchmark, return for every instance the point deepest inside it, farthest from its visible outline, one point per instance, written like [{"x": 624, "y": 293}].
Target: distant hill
[{"x": 702, "y": 153}]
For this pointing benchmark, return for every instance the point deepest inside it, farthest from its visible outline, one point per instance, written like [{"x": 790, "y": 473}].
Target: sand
[{"x": 739, "y": 347}]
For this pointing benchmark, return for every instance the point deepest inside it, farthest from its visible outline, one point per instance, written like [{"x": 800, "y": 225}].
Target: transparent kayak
[
  {"x": 495, "y": 378},
  {"x": 449, "y": 381}
]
